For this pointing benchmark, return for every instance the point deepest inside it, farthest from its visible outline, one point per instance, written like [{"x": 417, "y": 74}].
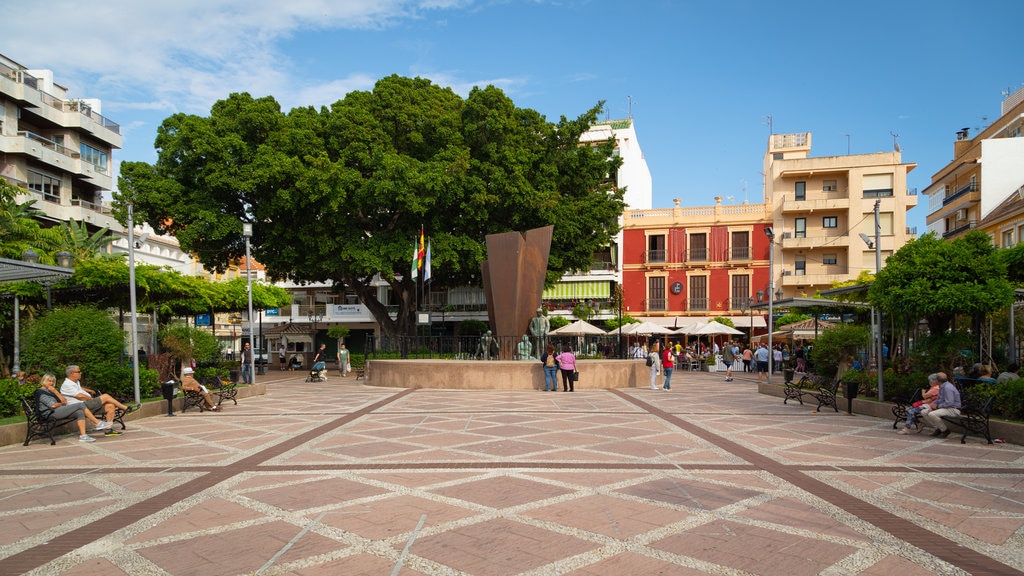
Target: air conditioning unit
[
  {"x": 961, "y": 214},
  {"x": 828, "y": 188},
  {"x": 787, "y": 235},
  {"x": 787, "y": 272}
]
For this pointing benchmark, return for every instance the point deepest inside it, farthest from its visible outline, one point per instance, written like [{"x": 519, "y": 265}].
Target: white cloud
[{"x": 147, "y": 55}]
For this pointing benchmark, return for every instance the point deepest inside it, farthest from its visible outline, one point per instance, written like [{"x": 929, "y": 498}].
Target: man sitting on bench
[
  {"x": 946, "y": 404},
  {"x": 189, "y": 383},
  {"x": 74, "y": 392}
]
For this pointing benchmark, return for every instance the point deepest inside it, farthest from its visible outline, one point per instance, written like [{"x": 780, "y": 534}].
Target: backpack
[
  {"x": 650, "y": 360},
  {"x": 550, "y": 361}
]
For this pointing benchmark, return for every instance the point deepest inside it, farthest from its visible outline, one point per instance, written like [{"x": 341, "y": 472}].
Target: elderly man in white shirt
[{"x": 74, "y": 392}]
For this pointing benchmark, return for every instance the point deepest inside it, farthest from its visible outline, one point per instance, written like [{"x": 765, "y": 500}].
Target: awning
[{"x": 586, "y": 290}]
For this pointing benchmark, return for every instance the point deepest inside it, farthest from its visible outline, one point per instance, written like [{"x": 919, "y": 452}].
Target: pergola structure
[{"x": 12, "y": 271}]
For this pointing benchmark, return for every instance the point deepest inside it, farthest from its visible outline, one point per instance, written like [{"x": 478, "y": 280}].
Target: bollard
[{"x": 851, "y": 393}]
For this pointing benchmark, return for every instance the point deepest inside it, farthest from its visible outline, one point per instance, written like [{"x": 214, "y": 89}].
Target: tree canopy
[
  {"x": 340, "y": 194},
  {"x": 936, "y": 279}
]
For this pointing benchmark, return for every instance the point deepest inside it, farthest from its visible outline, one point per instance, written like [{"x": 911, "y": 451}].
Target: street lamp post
[
  {"x": 247, "y": 232},
  {"x": 132, "y": 304},
  {"x": 770, "y": 233}
]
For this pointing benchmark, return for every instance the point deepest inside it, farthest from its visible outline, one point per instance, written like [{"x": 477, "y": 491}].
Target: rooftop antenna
[
  {"x": 743, "y": 186},
  {"x": 895, "y": 144},
  {"x": 629, "y": 103},
  {"x": 847, "y": 144},
  {"x": 768, "y": 121},
  {"x": 984, "y": 123}
]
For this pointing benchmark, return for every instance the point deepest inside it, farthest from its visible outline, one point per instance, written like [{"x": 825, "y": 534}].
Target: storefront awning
[{"x": 586, "y": 290}]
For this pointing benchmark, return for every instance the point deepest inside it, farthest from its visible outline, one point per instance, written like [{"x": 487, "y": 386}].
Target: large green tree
[
  {"x": 340, "y": 194},
  {"x": 936, "y": 280}
]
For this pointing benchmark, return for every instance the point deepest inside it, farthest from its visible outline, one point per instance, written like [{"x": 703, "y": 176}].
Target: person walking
[
  {"x": 762, "y": 356},
  {"x": 343, "y": 361},
  {"x": 246, "y": 364},
  {"x": 654, "y": 363},
  {"x": 728, "y": 357}
]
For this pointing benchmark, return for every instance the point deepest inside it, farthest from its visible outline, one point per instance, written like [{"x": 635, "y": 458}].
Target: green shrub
[
  {"x": 11, "y": 392},
  {"x": 1010, "y": 399},
  {"x": 82, "y": 336}
]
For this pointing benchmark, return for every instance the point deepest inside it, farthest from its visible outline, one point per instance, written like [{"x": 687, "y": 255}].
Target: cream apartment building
[
  {"x": 821, "y": 206},
  {"x": 983, "y": 186}
]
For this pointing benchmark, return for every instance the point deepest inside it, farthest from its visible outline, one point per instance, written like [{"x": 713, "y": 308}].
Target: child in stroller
[{"x": 318, "y": 373}]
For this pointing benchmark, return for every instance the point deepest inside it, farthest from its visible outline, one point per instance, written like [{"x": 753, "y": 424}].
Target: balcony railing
[
  {"x": 697, "y": 304},
  {"x": 961, "y": 228},
  {"x": 971, "y": 187},
  {"x": 656, "y": 304},
  {"x": 49, "y": 144},
  {"x": 23, "y": 77},
  {"x": 655, "y": 256},
  {"x": 739, "y": 253},
  {"x": 696, "y": 255}
]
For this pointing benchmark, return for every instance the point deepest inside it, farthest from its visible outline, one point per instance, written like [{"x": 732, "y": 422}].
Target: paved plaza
[{"x": 340, "y": 478}]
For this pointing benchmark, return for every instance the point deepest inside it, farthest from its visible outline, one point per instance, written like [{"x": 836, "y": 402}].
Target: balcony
[
  {"x": 971, "y": 187},
  {"x": 655, "y": 257},
  {"x": 828, "y": 204},
  {"x": 697, "y": 304},
  {"x": 739, "y": 253},
  {"x": 695, "y": 255},
  {"x": 809, "y": 242},
  {"x": 656, "y": 304},
  {"x": 962, "y": 227}
]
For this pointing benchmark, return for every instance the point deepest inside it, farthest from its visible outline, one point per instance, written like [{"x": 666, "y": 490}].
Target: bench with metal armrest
[
  {"x": 975, "y": 410},
  {"x": 41, "y": 425},
  {"x": 821, "y": 388},
  {"x": 216, "y": 387}
]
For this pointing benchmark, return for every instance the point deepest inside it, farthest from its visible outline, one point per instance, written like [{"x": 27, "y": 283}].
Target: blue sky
[{"x": 702, "y": 76}]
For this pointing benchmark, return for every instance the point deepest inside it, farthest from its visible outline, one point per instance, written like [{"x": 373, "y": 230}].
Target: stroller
[{"x": 318, "y": 373}]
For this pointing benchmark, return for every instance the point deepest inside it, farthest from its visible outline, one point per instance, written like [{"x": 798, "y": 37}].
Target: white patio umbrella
[
  {"x": 649, "y": 328},
  {"x": 578, "y": 328},
  {"x": 712, "y": 328},
  {"x": 624, "y": 329}
]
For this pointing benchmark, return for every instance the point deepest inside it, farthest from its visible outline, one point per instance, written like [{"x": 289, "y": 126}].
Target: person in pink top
[{"x": 567, "y": 364}]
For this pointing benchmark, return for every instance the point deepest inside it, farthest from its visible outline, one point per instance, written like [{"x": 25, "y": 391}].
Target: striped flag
[
  {"x": 426, "y": 265},
  {"x": 421, "y": 253},
  {"x": 415, "y": 257}
]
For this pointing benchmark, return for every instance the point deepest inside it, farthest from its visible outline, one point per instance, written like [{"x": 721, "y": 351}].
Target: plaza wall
[{"x": 500, "y": 374}]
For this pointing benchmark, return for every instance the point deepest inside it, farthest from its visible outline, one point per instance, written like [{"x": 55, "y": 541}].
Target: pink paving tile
[
  {"x": 314, "y": 493},
  {"x": 370, "y": 450},
  {"x": 977, "y": 523},
  {"x": 29, "y": 523},
  {"x": 754, "y": 549},
  {"x": 420, "y": 479},
  {"x": 688, "y": 492},
  {"x": 238, "y": 551},
  {"x": 890, "y": 565},
  {"x": 93, "y": 567},
  {"x": 498, "y": 548},
  {"x": 269, "y": 479},
  {"x": 501, "y": 491},
  {"x": 208, "y": 514},
  {"x": 505, "y": 448},
  {"x": 389, "y": 517},
  {"x": 46, "y": 494},
  {"x": 797, "y": 514},
  {"x": 590, "y": 478},
  {"x": 357, "y": 565},
  {"x": 614, "y": 517},
  {"x": 632, "y": 563}
]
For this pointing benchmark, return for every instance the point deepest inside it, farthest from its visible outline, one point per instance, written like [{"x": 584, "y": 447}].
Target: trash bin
[
  {"x": 169, "y": 390},
  {"x": 850, "y": 392},
  {"x": 233, "y": 375}
]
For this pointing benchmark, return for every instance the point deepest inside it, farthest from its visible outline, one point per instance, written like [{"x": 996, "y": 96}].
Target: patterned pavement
[{"x": 342, "y": 478}]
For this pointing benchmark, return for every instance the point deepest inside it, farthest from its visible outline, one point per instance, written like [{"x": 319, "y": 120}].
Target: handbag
[{"x": 575, "y": 375}]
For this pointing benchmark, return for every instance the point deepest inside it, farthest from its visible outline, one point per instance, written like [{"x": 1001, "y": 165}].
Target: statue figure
[
  {"x": 525, "y": 349},
  {"x": 484, "y": 349},
  {"x": 539, "y": 327}
]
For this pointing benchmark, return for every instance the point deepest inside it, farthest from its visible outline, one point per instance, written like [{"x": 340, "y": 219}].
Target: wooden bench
[
  {"x": 39, "y": 426},
  {"x": 820, "y": 388},
  {"x": 974, "y": 413},
  {"x": 216, "y": 387}
]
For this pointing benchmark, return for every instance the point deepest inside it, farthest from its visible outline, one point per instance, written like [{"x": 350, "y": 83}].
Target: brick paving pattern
[{"x": 342, "y": 478}]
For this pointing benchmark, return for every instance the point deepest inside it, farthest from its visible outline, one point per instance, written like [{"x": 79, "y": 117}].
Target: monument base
[{"x": 501, "y": 374}]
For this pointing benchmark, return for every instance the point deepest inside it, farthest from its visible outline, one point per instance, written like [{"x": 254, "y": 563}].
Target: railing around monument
[{"x": 501, "y": 347}]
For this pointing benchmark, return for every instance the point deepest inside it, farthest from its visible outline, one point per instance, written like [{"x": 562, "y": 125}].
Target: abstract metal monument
[{"x": 514, "y": 281}]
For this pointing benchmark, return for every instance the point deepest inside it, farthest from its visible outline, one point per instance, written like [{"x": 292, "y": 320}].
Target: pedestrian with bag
[
  {"x": 654, "y": 363},
  {"x": 567, "y": 364}
]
